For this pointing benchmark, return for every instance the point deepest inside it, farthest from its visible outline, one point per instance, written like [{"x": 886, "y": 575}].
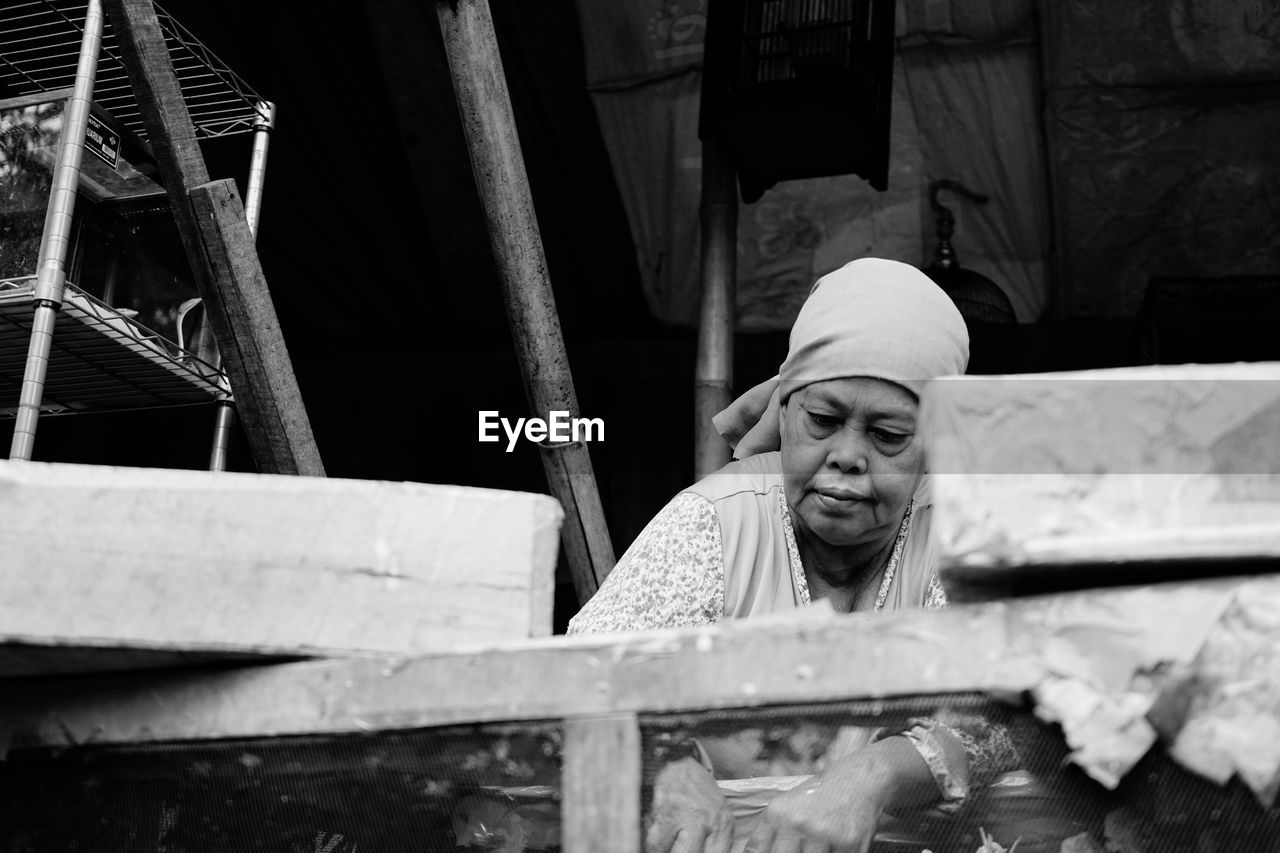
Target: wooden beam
[
  {"x": 601, "y": 808},
  {"x": 498, "y": 166},
  {"x": 815, "y": 656},
  {"x": 126, "y": 562},
  {"x": 271, "y": 393},
  {"x": 266, "y": 393}
]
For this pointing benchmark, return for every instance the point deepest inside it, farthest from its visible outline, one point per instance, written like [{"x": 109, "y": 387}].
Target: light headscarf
[{"x": 872, "y": 317}]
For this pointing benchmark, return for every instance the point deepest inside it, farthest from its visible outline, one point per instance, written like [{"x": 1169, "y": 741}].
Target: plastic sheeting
[
  {"x": 1161, "y": 42},
  {"x": 962, "y": 110},
  {"x": 1160, "y": 120},
  {"x": 1162, "y": 181}
]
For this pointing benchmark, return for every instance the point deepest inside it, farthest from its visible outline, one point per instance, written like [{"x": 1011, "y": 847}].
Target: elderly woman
[{"x": 828, "y": 499}]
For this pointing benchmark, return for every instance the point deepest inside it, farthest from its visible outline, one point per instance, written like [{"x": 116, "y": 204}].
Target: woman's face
[{"x": 850, "y": 458}]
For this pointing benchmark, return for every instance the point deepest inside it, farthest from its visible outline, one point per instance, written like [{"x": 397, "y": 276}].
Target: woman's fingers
[
  {"x": 720, "y": 841},
  {"x": 689, "y": 813},
  {"x": 761, "y": 840},
  {"x": 660, "y": 836},
  {"x": 771, "y": 839},
  {"x": 690, "y": 839},
  {"x": 785, "y": 841},
  {"x": 664, "y": 836}
]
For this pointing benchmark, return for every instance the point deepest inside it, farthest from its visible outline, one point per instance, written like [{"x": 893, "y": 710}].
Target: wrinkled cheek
[
  {"x": 895, "y": 488},
  {"x": 795, "y": 476},
  {"x": 793, "y": 491}
]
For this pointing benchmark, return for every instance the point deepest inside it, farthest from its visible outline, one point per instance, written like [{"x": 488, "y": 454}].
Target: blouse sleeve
[
  {"x": 988, "y": 745},
  {"x": 989, "y": 751},
  {"x": 672, "y": 576}
]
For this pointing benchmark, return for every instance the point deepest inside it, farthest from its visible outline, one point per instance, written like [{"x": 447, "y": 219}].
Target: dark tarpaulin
[{"x": 1160, "y": 120}]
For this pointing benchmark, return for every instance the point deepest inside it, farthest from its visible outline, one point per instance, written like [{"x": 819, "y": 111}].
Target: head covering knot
[{"x": 872, "y": 317}]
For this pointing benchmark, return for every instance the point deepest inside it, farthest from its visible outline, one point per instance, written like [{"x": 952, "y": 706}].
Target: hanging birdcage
[{"x": 799, "y": 88}]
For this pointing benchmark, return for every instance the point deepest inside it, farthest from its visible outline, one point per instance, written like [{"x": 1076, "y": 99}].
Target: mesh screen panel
[
  {"x": 1024, "y": 792},
  {"x": 490, "y": 788},
  {"x": 497, "y": 788}
]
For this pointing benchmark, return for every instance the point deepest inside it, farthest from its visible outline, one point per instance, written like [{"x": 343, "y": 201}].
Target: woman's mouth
[{"x": 838, "y": 496}]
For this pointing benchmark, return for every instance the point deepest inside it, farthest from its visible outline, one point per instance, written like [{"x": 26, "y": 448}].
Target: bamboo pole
[
  {"x": 713, "y": 379},
  {"x": 498, "y": 164}
]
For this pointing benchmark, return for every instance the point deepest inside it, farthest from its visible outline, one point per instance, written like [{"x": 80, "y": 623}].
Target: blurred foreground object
[
  {"x": 108, "y": 568},
  {"x": 1068, "y": 480}
]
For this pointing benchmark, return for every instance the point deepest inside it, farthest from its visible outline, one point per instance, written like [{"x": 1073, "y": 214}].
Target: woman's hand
[
  {"x": 834, "y": 812},
  {"x": 837, "y": 810},
  {"x": 689, "y": 814}
]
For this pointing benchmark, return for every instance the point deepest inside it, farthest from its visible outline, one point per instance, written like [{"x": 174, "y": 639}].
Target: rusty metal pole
[
  {"x": 713, "y": 378},
  {"x": 498, "y": 164}
]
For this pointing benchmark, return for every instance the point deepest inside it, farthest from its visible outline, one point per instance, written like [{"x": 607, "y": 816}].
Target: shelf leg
[
  {"x": 222, "y": 428},
  {"x": 51, "y": 276},
  {"x": 225, "y": 422},
  {"x": 258, "y": 163},
  {"x": 37, "y": 367}
]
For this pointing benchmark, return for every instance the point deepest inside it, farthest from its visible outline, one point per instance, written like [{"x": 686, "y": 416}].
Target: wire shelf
[
  {"x": 40, "y": 45},
  {"x": 101, "y": 359}
]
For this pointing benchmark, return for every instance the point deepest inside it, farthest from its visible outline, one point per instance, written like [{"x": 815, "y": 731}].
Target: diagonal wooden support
[
  {"x": 282, "y": 432},
  {"x": 220, "y": 248},
  {"x": 498, "y": 166},
  {"x": 337, "y": 567}
]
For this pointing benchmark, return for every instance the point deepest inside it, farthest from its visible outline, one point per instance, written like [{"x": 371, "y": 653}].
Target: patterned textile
[{"x": 672, "y": 576}]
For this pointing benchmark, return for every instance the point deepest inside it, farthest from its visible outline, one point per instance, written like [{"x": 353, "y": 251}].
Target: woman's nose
[{"x": 848, "y": 451}]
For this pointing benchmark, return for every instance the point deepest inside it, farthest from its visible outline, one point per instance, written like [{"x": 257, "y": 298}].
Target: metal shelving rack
[
  {"x": 40, "y": 47},
  {"x": 63, "y": 349},
  {"x": 100, "y": 359}
]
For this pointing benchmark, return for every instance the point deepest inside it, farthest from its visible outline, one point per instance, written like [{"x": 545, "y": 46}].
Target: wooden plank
[
  {"x": 275, "y": 423},
  {"x": 121, "y": 559},
  {"x": 814, "y": 657},
  {"x": 1112, "y": 476},
  {"x": 601, "y": 775},
  {"x": 498, "y": 166},
  {"x": 268, "y": 388}
]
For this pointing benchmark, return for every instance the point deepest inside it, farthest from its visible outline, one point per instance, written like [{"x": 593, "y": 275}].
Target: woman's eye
[
  {"x": 891, "y": 438},
  {"x": 825, "y": 421}
]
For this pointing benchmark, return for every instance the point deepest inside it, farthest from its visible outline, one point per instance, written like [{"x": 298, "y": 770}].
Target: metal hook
[
  {"x": 944, "y": 255},
  {"x": 947, "y": 184}
]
